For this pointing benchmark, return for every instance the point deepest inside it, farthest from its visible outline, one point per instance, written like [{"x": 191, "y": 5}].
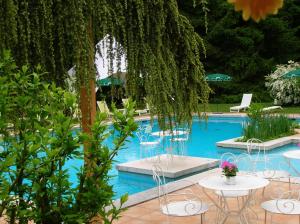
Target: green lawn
[{"x": 225, "y": 108}]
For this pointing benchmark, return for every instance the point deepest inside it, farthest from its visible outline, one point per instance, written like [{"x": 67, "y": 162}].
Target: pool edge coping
[
  {"x": 151, "y": 193},
  {"x": 269, "y": 145}
]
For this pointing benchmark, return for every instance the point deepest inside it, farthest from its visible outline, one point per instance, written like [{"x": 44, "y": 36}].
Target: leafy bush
[
  {"x": 255, "y": 112},
  {"x": 37, "y": 139},
  {"x": 266, "y": 126},
  {"x": 283, "y": 90}
]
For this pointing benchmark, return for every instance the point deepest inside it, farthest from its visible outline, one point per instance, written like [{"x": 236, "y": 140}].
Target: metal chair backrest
[
  {"x": 229, "y": 157},
  {"x": 159, "y": 178},
  {"x": 148, "y": 129},
  {"x": 245, "y": 163},
  {"x": 143, "y": 133},
  {"x": 257, "y": 147},
  {"x": 142, "y": 136}
]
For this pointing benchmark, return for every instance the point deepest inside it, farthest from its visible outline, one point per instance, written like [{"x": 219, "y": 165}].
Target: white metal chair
[
  {"x": 177, "y": 204},
  {"x": 244, "y": 164},
  {"x": 272, "y": 169},
  {"x": 287, "y": 203},
  {"x": 179, "y": 141},
  {"x": 254, "y": 144},
  {"x": 246, "y": 101},
  {"x": 148, "y": 148},
  {"x": 268, "y": 166},
  {"x": 144, "y": 111}
]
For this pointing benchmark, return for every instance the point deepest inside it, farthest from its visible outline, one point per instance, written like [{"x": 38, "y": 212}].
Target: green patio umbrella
[
  {"x": 109, "y": 81},
  {"x": 217, "y": 77},
  {"x": 292, "y": 74}
]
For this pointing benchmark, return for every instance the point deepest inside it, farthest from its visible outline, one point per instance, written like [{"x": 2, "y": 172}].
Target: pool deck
[
  {"x": 147, "y": 211},
  {"x": 146, "y": 117},
  {"x": 173, "y": 166},
  {"x": 214, "y": 114}
]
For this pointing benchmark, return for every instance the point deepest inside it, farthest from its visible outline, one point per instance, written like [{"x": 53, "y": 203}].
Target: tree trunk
[{"x": 88, "y": 106}]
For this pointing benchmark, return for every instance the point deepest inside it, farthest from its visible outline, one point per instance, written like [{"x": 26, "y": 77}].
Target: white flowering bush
[{"x": 284, "y": 90}]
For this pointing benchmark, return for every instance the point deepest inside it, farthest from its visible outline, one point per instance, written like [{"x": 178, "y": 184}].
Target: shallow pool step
[{"x": 172, "y": 166}]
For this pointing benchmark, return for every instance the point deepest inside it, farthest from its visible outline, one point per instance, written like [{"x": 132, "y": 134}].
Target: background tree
[{"x": 246, "y": 50}]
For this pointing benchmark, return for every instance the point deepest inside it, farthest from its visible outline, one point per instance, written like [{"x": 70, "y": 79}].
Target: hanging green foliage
[{"x": 162, "y": 49}]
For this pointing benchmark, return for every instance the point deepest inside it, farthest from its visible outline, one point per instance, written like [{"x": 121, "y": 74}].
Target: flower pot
[{"x": 230, "y": 180}]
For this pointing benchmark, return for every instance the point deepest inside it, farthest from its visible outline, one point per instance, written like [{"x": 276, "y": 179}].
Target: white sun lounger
[
  {"x": 140, "y": 112},
  {"x": 103, "y": 107},
  {"x": 246, "y": 101},
  {"x": 143, "y": 111},
  {"x": 272, "y": 108}
]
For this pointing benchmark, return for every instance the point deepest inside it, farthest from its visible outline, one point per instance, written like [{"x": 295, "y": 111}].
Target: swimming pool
[{"x": 201, "y": 143}]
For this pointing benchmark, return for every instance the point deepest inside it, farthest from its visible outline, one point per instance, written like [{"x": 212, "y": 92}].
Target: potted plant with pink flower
[{"x": 229, "y": 170}]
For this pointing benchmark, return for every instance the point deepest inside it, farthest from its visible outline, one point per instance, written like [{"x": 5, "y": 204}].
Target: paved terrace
[{"x": 149, "y": 213}]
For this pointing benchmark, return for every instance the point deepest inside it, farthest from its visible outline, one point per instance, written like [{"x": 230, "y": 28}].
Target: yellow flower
[{"x": 257, "y": 9}]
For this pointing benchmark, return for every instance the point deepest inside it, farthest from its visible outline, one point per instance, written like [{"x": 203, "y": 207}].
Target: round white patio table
[
  {"x": 169, "y": 133},
  {"x": 292, "y": 155},
  {"x": 243, "y": 183}
]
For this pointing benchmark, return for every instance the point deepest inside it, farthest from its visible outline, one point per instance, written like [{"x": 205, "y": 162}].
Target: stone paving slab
[{"x": 173, "y": 167}]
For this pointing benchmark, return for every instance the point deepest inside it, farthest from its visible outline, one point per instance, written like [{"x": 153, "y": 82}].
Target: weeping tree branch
[{"x": 161, "y": 47}]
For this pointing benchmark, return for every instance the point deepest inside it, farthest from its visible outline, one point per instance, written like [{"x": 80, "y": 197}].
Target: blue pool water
[{"x": 201, "y": 143}]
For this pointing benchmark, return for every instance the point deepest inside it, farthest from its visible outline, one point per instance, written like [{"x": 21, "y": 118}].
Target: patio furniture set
[
  {"x": 173, "y": 141},
  {"x": 244, "y": 190}
]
